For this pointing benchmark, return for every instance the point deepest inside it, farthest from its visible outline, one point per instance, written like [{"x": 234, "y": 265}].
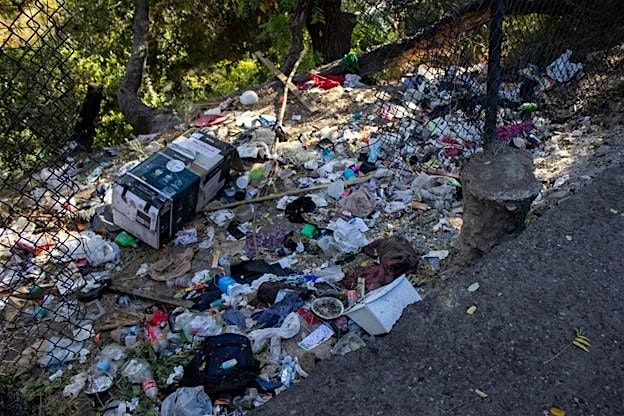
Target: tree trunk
[
  {"x": 84, "y": 130},
  {"x": 498, "y": 191},
  {"x": 331, "y": 32},
  {"x": 143, "y": 118},
  {"x": 296, "y": 23}
]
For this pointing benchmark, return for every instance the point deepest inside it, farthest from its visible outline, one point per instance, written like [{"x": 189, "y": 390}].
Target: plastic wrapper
[{"x": 289, "y": 328}]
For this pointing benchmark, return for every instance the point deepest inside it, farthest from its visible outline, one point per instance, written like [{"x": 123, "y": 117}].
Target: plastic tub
[{"x": 381, "y": 308}]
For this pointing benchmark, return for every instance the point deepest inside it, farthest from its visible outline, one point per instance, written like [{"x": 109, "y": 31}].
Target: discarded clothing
[
  {"x": 326, "y": 82},
  {"x": 360, "y": 203},
  {"x": 204, "y": 300},
  {"x": 396, "y": 257},
  {"x": 510, "y": 131},
  {"x": 234, "y": 317},
  {"x": 247, "y": 271},
  {"x": 298, "y": 207},
  {"x": 274, "y": 316},
  {"x": 271, "y": 239}
]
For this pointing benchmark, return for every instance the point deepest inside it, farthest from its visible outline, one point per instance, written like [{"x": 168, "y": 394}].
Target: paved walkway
[{"x": 565, "y": 271}]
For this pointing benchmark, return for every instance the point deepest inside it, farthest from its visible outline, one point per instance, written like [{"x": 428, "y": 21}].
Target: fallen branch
[
  {"x": 445, "y": 33},
  {"x": 440, "y": 172},
  {"x": 311, "y": 108},
  {"x": 289, "y": 81},
  {"x": 140, "y": 294},
  {"x": 288, "y": 193}
]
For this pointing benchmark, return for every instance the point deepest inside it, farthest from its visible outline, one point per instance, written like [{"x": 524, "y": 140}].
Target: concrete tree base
[{"x": 498, "y": 190}]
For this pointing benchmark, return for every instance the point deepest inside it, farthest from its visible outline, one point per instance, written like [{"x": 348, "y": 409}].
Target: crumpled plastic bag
[
  {"x": 294, "y": 152},
  {"x": 289, "y": 328},
  {"x": 187, "y": 401},
  {"x": 349, "y": 235},
  {"x": 90, "y": 246},
  {"x": 360, "y": 203},
  {"x": 75, "y": 385}
]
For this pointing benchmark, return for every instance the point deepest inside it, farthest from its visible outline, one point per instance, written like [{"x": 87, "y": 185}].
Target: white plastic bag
[
  {"x": 290, "y": 327},
  {"x": 187, "y": 401}
]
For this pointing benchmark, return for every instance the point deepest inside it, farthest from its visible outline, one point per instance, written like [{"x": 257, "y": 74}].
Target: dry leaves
[
  {"x": 555, "y": 411},
  {"x": 579, "y": 341}
]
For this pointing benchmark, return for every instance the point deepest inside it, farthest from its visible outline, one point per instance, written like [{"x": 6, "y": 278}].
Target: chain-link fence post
[{"x": 495, "y": 40}]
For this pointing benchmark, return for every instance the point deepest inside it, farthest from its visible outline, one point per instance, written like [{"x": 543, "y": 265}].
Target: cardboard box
[
  {"x": 156, "y": 198},
  {"x": 209, "y": 158}
]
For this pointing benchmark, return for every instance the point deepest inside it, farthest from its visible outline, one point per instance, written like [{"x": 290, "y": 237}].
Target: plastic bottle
[
  {"x": 127, "y": 336},
  {"x": 225, "y": 282},
  {"x": 139, "y": 372},
  {"x": 102, "y": 374}
]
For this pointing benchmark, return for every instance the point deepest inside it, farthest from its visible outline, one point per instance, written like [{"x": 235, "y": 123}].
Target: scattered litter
[
  {"x": 321, "y": 334},
  {"x": 186, "y": 237},
  {"x": 473, "y": 287},
  {"x": 481, "y": 393},
  {"x": 471, "y": 310},
  {"x": 186, "y": 401},
  {"x": 176, "y": 375}
]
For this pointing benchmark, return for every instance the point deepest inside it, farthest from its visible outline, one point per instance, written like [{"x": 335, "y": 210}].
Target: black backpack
[{"x": 205, "y": 369}]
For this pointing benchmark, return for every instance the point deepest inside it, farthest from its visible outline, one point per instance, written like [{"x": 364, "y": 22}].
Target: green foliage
[{"x": 370, "y": 33}]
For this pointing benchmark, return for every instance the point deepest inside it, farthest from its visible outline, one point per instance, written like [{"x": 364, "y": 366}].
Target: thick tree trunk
[
  {"x": 331, "y": 37},
  {"x": 84, "y": 130},
  {"x": 443, "y": 34},
  {"x": 143, "y": 118},
  {"x": 296, "y": 23}
]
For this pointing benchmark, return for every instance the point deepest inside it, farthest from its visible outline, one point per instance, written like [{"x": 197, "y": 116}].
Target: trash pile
[{"x": 254, "y": 248}]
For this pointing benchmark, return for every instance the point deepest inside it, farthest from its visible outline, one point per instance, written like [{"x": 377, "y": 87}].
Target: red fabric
[
  {"x": 326, "y": 82},
  {"x": 203, "y": 120},
  {"x": 157, "y": 318}
]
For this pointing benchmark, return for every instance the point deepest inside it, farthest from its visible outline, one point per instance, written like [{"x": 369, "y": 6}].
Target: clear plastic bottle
[
  {"x": 128, "y": 336},
  {"x": 139, "y": 372},
  {"x": 102, "y": 374}
]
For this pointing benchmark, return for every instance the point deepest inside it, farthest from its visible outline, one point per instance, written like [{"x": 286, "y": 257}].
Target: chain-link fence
[
  {"x": 42, "y": 318},
  {"x": 462, "y": 72}
]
